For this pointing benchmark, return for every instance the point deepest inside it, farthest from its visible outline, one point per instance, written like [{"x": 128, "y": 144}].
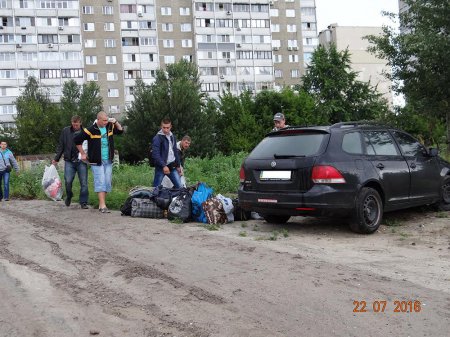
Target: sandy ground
[{"x": 72, "y": 272}]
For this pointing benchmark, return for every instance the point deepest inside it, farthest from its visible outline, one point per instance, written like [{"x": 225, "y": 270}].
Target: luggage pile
[{"x": 193, "y": 203}]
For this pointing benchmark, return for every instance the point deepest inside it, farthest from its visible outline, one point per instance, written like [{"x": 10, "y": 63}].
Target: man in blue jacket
[{"x": 165, "y": 155}]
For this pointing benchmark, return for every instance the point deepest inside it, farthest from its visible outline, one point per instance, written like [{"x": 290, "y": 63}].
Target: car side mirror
[{"x": 433, "y": 152}]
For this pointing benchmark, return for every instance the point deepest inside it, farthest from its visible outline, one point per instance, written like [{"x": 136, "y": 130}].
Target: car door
[
  {"x": 424, "y": 169},
  {"x": 392, "y": 168}
]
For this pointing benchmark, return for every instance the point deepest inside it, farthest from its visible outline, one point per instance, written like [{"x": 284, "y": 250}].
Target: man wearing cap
[{"x": 279, "y": 121}]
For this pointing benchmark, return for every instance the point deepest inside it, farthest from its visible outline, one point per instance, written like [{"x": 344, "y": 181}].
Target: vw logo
[{"x": 273, "y": 164}]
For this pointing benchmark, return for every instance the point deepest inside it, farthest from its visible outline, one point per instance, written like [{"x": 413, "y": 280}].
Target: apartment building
[
  {"x": 368, "y": 66},
  {"x": 237, "y": 45}
]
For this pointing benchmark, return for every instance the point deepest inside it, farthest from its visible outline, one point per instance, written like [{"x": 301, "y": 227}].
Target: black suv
[{"x": 354, "y": 169}]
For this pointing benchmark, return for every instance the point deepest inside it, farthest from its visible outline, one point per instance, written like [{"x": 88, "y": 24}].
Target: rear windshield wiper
[{"x": 287, "y": 156}]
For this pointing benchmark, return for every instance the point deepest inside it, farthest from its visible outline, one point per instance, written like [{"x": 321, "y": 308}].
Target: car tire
[
  {"x": 444, "y": 203},
  {"x": 368, "y": 212},
  {"x": 276, "y": 219}
]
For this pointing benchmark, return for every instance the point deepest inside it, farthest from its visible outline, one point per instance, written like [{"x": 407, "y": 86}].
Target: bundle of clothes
[{"x": 194, "y": 203}]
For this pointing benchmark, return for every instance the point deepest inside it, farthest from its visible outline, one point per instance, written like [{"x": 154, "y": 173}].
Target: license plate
[
  {"x": 270, "y": 201},
  {"x": 275, "y": 175}
]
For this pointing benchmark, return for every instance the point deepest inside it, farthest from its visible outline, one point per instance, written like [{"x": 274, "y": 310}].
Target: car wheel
[
  {"x": 270, "y": 218},
  {"x": 444, "y": 204},
  {"x": 368, "y": 212}
]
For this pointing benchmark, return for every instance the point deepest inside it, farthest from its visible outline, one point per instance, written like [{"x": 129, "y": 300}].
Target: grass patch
[
  {"x": 244, "y": 225},
  {"x": 274, "y": 236},
  {"x": 243, "y": 233},
  {"x": 256, "y": 228},
  {"x": 284, "y": 232},
  {"x": 212, "y": 227},
  {"x": 442, "y": 215},
  {"x": 392, "y": 222}
]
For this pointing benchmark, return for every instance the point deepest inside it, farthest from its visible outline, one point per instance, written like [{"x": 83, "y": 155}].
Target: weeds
[
  {"x": 274, "y": 236},
  {"x": 243, "y": 233},
  {"x": 284, "y": 232},
  {"x": 244, "y": 225},
  {"x": 212, "y": 227},
  {"x": 442, "y": 215},
  {"x": 392, "y": 222},
  {"x": 256, "y": 228}
]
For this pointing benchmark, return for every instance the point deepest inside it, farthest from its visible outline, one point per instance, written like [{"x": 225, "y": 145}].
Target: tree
[
  {"x": 175, "y": 94},
  {"x": 38, "y": 122},
  {"x": 419, "y": 57},
  {"x": 337, "y": 94},
  {"x": 83, "y": 100}
]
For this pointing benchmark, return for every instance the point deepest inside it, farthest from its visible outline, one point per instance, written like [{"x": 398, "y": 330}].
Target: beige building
[
  {"x": 369, "y": 67},
  {"x": 237, "y": 45}
]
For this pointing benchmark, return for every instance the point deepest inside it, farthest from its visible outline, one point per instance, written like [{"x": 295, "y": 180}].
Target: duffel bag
[{"x": 145, "y": 208}]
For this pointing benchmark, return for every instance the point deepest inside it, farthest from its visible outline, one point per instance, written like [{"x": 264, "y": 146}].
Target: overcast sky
[{"x": 353, "y": 12}]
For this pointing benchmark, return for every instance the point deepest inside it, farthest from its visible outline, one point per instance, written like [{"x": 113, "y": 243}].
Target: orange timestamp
[{"x": 386, "y": 306}]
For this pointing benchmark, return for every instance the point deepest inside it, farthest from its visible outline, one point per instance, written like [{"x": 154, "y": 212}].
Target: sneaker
[
  {"x": 84, "y": 206},
  {"x": 6, "y": 199},
  {"x": 67, "y": 201},
  {"x": 104, "y": 210}
]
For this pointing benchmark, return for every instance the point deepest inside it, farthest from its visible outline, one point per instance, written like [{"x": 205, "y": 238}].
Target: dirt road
[{"x": 72, "y": 272}]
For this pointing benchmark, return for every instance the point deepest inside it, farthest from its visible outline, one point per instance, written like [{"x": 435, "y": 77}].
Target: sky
[{"x": 354, "y": 12}]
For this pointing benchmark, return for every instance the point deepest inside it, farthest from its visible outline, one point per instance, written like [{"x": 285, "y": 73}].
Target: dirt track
[{"x": 72, "y": 272}]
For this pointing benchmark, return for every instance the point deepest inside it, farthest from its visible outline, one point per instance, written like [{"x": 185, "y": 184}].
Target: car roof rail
[{"x": 357, "y": 123}]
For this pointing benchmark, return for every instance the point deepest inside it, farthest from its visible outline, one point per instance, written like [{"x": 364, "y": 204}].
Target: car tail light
[
  {"x": 326, "y": 175},
  {"x": 242, "y": 175}
]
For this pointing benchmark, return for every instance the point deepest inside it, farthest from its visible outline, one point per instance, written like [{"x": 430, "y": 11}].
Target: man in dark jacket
[
  {"x": 165, "y": 155},
  {"x": 100, "y": 137},
  {"x": 72, "y": 162}
]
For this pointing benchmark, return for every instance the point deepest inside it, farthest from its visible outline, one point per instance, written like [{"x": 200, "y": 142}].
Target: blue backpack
[{"x": 201, "y": 194}]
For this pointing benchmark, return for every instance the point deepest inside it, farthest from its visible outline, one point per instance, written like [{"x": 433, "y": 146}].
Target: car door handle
[
  {"x": 412, "y": 165},
  {"x": 380, "y": 166}
]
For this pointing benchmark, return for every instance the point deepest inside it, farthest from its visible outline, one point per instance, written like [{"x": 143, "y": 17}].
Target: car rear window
[{"x": 295, "y": 145}]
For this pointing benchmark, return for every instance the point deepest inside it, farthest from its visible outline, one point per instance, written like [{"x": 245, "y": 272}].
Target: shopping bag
[{"x": 51, "y": 183}]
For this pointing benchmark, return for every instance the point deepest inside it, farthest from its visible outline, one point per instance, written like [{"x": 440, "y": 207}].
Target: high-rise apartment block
[{"x": 237, "y": 45}]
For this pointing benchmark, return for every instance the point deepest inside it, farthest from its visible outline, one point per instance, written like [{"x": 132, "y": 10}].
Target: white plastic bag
[
  {"x": 166, "y": 182},
  {"x": 51, "y": 183},
  {"x": 227, "y": 206}
]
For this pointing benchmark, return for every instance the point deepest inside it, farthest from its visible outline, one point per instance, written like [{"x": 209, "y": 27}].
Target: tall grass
[{"x": 220, "y": 172}]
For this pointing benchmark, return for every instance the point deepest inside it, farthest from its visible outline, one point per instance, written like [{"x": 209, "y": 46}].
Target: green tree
[
  {"x": 176, "y": 94},
  {"x": 419, "y": 57},
  {"x": 337, "y": 94},
  {"x": 38, "y": 122},
  {"x": 83, "y": 100}
]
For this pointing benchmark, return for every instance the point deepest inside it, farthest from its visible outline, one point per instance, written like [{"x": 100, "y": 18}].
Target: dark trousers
[{"x": 70, "y": 169}]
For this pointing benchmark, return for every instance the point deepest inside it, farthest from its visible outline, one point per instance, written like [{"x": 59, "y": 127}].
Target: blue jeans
[
  {"x": 70, "y": 168},
  {"x": 4, "y": 176},
  {"x": 174, "y": 177},
  {"x": 102, "y": 176}
]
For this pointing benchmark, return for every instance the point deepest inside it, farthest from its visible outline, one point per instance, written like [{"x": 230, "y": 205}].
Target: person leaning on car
[{"x": 279, "y": 121}]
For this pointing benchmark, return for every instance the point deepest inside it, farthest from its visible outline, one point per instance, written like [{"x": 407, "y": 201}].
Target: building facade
[
  {"x": 237, "y": 45},
  {"x": 368, "y": 66}
]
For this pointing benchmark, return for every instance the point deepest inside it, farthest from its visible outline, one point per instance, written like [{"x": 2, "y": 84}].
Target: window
[
  {"x": 168, "y": 43},
  {"x": 148, "y": 41},
  {"x": 108, "y": 10},
  {"x": 132, "y": 74},
  {"x": 292, "y": 44},
  {"x": 91, "y": 59},
  {"x": 7, "y": 110},
  {"x": 73, "y": 38},
  {"x": 351, "y": 143},
  {"x": 186, "y": 27},
  {"x": 293, "y": 58},
  {"x": 379, "y": 143},
  {"x": 291, "y": 28},
  {"x": 186, "y": 43},
  {"x": 210, "y": 87},
  {"x": 185, "y": 11},
  {"x": 109, "y": 27},
  {"x": 166, "y": 11},
  {"x": 310, "y": 41},
  {"x": 290, "y": 13},
  {"x": 168, "y": 59},
  {"x": 274, "y": 12},
  {"x": 11, "y": 56},
  {"x": 72, "y": 73},
  {"x": 111, "y": 76},
  {"x": 110, "y": 43},
  {"x": 409, "y": 146},
  {"x": 167, "y": 27},
  {"x": 114, "y": 109},
  {"x": 71, "y": 56},
  {"x": 278, "y": 73},
  {"x": 47, "y": 38},
  {"x": 7, "y": 74},
  {"x": 91, "y": 76},
  {"x": 113, "y": 92},
  {"x": 50, "y": 73},
  {"x": 6, "y": 38},
  {"x": 275, "y": 27},
  {"x": 309, "y": 11},
  {"x": 309, "y": 26},
  {"x": 111, "y": 59},
  {"x": 277, "y": 58},
  {"x": 89, "y": 27},
  {"x": 88, "y": 9},
  {"x": 295, "y": 73},
  {"x": 127, "y": 8},
  {"x": 90, "y": 43}
]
